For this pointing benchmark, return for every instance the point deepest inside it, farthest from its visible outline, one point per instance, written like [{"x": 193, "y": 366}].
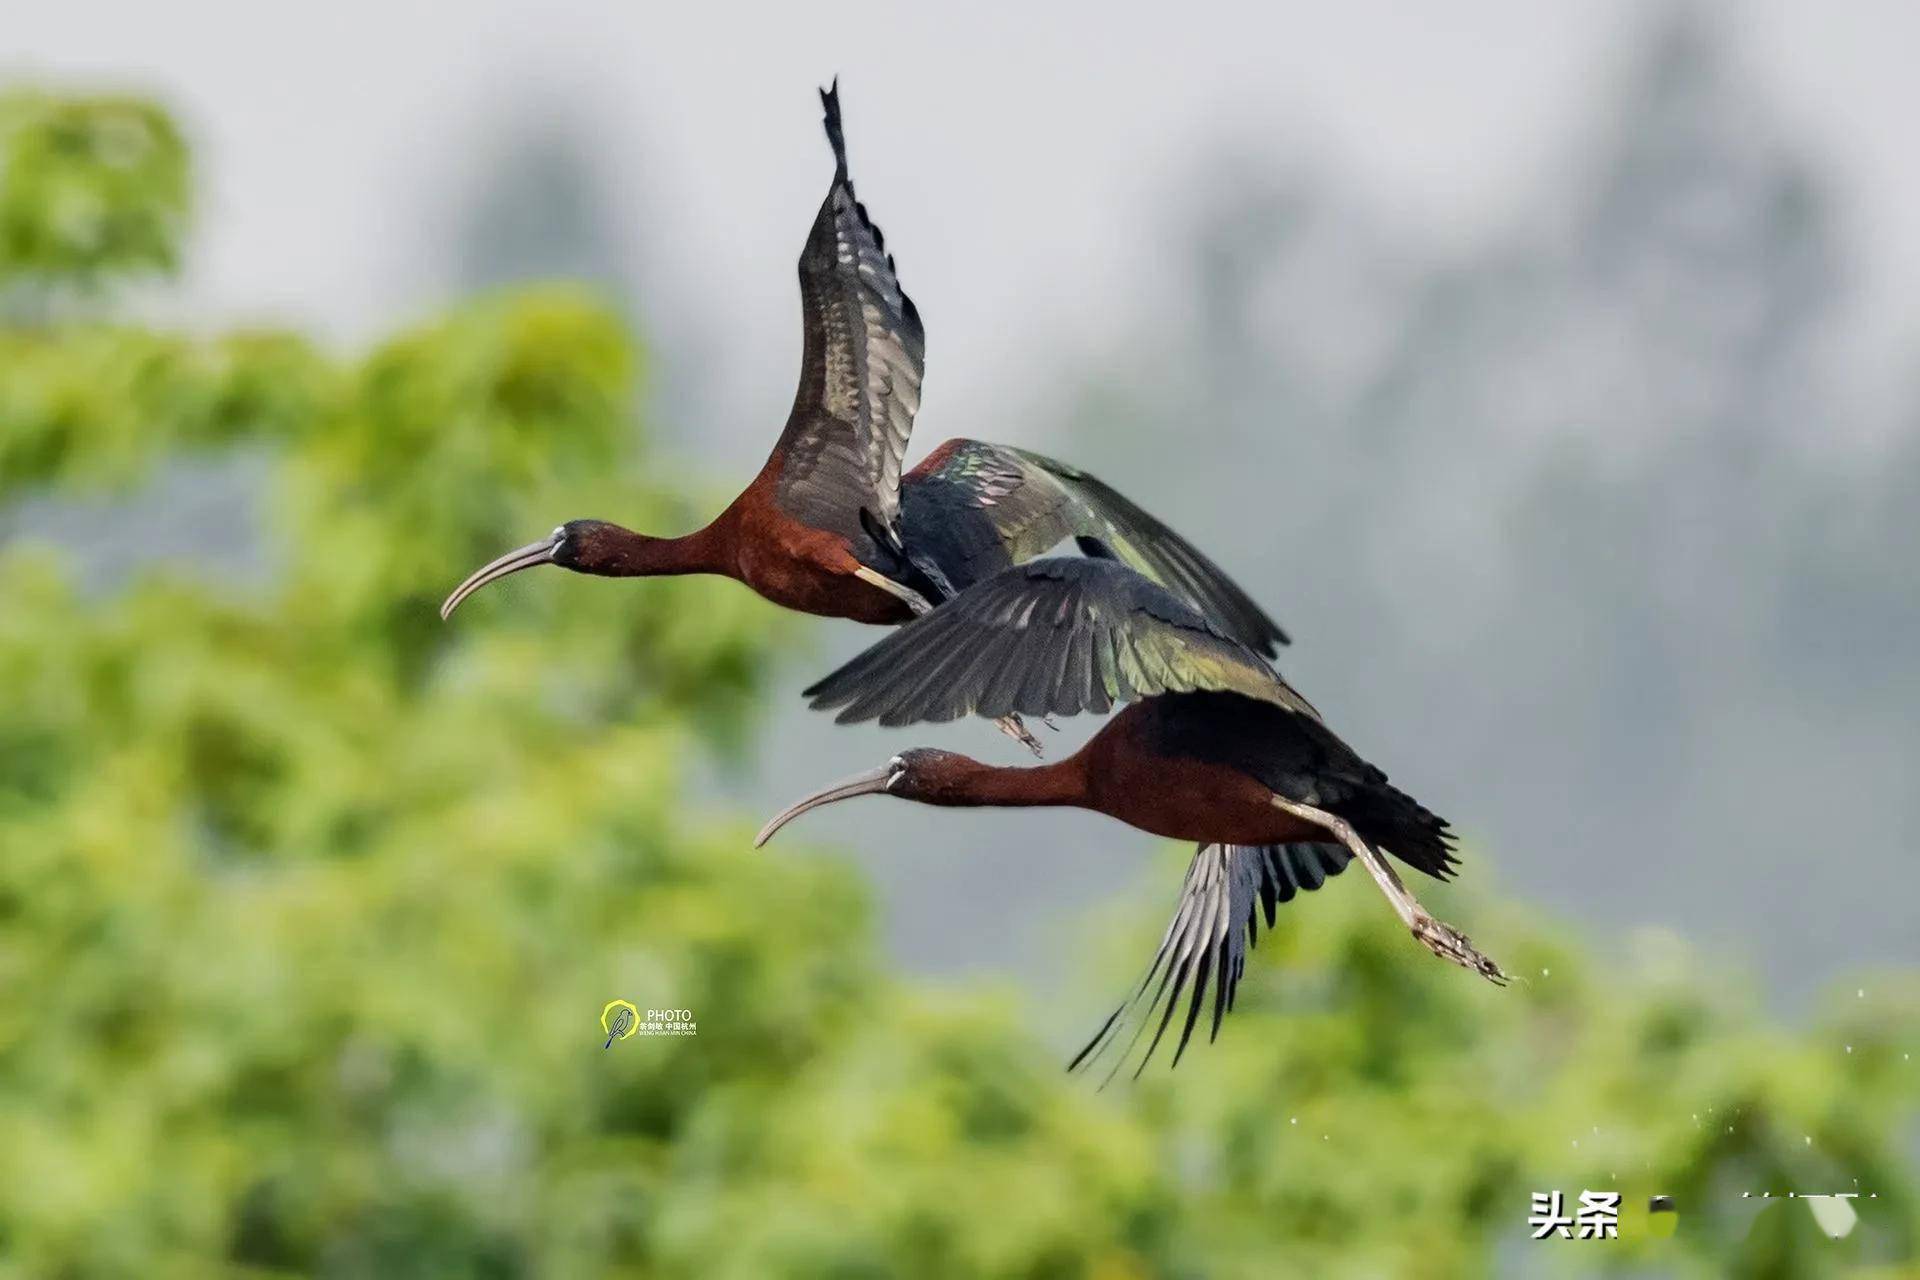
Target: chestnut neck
[
  {"x": 626, "y": 554},
  {"x": 968, "y": 783}
]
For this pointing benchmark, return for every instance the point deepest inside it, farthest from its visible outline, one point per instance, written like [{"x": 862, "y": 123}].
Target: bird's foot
[
  {"x": 1449, "y": 943},
  {"x": 1048, "y": 721},
  {"x": 1016, "y": 729}
]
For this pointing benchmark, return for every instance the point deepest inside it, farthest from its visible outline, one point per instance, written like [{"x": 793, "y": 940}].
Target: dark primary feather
[
  {"x": 861, "y": 368},
  {"x": 976, "y": 508},
  {"x": 1051, "y": 637},
  {"x": 1227, "y": 889}
]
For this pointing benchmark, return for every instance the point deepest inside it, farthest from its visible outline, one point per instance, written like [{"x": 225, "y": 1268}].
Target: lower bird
[{"x": 1215, "y": 747}]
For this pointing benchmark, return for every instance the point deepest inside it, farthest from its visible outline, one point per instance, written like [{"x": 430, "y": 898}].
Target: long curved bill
[
  {"x": 872, "y": 782},
  {"x": 534, "y": 553}
]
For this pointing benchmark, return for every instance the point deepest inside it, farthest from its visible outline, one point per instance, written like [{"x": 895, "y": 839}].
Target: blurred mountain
[
  {"x": 537, "y": 207},
  {"x": 546, "y": 191}
]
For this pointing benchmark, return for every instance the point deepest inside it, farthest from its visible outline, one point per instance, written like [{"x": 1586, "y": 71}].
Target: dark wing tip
[
  {"x": 830, "y": 102},
  {"x": 1166, "y": 556},
  {"x": 1239, "y": 613}
]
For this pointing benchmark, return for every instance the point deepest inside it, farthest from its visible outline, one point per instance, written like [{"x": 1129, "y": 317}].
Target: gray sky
[{"x": 1015, "y": 154}]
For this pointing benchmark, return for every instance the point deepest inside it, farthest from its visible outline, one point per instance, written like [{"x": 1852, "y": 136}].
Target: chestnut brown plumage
[
  {"x": 1213, "y": 746},
  {"x": 831, "y": 526}
]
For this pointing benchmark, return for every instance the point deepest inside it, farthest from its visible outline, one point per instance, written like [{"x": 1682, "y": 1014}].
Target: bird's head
[
  {"x": 584, "y": 546},
  {"x": 923, "y": 774}
]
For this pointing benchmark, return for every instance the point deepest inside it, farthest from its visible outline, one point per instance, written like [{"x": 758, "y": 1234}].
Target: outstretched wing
[
  {"x": 1227, "y": 888},
  {"x": 860, "y": 372},
  {"x": 978, "y": 507},
  {"x": 1050, "y": 637}
]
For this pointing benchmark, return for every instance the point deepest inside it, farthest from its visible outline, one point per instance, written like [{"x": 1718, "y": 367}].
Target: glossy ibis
[
  {"x": 1214, "y": 747},
  {"x": 831, "y": 526}
]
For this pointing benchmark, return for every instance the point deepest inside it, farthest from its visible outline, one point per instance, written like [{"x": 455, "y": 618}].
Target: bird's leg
[
  {"x": 1437, "y": 936},
  {"x": 1014, "y": 727},
  {"x": 915, "y": 601}
]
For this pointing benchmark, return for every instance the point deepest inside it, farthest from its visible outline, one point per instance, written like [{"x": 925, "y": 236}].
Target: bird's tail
[
  {"x": 1390, "y": 819},
  {"x": 830, "y": 100}
]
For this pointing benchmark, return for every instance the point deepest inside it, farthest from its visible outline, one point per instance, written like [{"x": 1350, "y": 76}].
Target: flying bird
[
  {"x": 832, "y": 526},
  {"x": 1213, "y": 746}
]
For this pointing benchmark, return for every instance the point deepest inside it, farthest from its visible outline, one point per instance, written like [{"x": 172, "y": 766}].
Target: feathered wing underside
[
  {"x": 1227, "y": 889},
  {"x": 1056, "y": 636},
  {"x": 864, "y": 357},
  {"x": 1033, "y": 503}
]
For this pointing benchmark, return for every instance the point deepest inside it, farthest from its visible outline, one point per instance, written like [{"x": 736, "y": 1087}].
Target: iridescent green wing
[
  {"x": 1051, "y": 637},
  {"x": 1024, "y": 504}
]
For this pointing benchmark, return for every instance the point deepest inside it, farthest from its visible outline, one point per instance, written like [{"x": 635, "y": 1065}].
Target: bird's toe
[
  {"x": 1016, "y": 729},
  {"x": 1449, "y": 943}
]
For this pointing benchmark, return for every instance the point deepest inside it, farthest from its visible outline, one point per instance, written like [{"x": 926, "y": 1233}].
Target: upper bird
[
  {"x": 831, "y": 526},
  {"x": 1215, "y": 747}
]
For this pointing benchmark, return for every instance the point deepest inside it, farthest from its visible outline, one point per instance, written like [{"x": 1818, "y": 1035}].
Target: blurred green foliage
[
  {"x": 309, "y": 904},
  {"x": 91, "y": 189}
]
